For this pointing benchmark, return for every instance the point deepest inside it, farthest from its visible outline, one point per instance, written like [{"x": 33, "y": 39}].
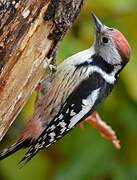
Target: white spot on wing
[
  {"x": 61, "y": 116},
  {"x": 63, "y": 126},
  {"x": 52, "y": 135},
  {"x": 48, "y": 145},
  {"x": 39, "y": 139},
  {"x": 43, "y": 143},
  {"x": 45, "y": 136},
  {"x": 55, "y": 119},
  {"x": 38, "y": 146},
  {"x": 51, "y": 128},
  {"x": 86, "y": 107},
  {"x": 72, "y": 113}
]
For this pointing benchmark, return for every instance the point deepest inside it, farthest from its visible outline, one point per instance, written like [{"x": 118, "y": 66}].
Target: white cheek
[{"x": 110, "y": 54}]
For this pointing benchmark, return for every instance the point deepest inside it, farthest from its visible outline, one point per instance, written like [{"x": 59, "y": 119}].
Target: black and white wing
[{"x": 79, "y": 104}]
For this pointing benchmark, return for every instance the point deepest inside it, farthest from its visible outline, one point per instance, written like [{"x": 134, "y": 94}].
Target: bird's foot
[
  {"x": 50, "y": 65},
  {"x": 105, "y": 130}
]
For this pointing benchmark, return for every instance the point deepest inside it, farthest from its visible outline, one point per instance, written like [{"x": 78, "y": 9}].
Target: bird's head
[{"x": 111, "y": 44}]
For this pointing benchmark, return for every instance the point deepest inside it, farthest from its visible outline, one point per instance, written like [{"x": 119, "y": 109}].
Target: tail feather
[
  {"x": 34, "y": 149},
  {"x": 12, "y": 149},
  {"x": 28, "y": 156}
]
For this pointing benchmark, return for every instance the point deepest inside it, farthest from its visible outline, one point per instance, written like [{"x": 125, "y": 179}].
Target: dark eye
[{"x": 105, "y": 40}]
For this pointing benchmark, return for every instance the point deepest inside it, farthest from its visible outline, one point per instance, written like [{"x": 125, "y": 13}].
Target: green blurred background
[{"x": 83, "y": 154}]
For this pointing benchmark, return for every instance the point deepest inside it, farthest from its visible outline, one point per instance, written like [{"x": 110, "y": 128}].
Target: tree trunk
[{"x": 30, "y": 32}]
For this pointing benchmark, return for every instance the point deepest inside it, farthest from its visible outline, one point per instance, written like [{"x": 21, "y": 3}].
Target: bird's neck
[
  {"x": 97, "y": 60},
  {"x": 112, "y": 70},
  {"x": 96, "y": 63}
]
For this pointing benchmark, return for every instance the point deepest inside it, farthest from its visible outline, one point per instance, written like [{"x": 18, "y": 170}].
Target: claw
[
  {"x": 106, "y": 131},
  {"x": 81, "y": 126}
]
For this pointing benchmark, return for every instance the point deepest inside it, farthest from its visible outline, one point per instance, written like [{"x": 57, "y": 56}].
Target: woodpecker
[{"x": 82, "y": 82}]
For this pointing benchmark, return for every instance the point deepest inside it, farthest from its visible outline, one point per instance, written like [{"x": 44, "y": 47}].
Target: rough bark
[{"x": 30, "y": 31}]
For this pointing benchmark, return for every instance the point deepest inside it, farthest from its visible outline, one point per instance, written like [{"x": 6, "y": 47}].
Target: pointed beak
[{"x": 99, "y": 25}]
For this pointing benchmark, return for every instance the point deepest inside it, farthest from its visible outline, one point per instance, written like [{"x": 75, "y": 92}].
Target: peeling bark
[{"x": 30, "y": 31}]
